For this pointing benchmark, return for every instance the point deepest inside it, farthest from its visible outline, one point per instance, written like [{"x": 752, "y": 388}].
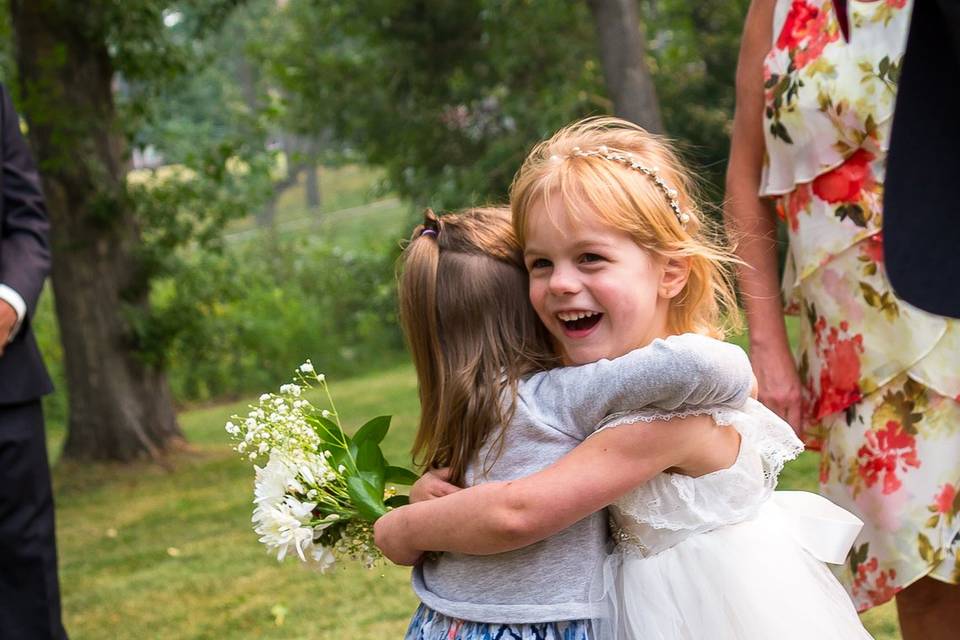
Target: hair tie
[{"x": 428, "y": 232}]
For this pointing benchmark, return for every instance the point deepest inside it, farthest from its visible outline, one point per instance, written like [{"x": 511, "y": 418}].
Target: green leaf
[
  {"x": 884, "y": 65},
  {"x": 870, "y": 294},
  {"x": 365, "y": 498},
  {"x": 780, "y": 131},
  {"x": 370, "y": 458},
  {"x": 932, "y": 521},
  {"x": 371, "y": 465},
  {"x": 373, "y": 431},
  {"x": 859, "y": 556},
  {"x": 925, "y": 548},
  {"x": 328, "y": 431},
  {"x": 397, "y": 501},
  {"x": 399, "y": 475},
  {"x": 341, "y": 457}
]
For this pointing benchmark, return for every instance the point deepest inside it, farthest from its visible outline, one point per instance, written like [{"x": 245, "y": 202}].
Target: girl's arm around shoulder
[
  {"x": 496, "y": 517},
  {"x": 682, "y": 370}
]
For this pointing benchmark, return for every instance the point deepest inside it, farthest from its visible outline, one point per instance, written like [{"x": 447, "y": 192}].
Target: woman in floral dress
[{"x": 876, "y": 383}]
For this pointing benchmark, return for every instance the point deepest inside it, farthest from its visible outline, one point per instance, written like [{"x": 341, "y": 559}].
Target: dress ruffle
[
  {"x": 676, "y": 502},
  {"x": 812, "y": 123}
]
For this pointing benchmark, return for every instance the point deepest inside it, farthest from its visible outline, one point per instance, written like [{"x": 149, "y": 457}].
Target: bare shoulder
[{"x": 704, "y": 445}]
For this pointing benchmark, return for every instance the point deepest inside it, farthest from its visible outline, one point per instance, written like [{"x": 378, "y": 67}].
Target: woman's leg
[{"x": 929, "y": 610}]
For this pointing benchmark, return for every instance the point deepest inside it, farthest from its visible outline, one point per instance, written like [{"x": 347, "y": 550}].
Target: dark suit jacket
[
  {"x": 921, "y": 208},
  {"x": 24, "y": 256}
]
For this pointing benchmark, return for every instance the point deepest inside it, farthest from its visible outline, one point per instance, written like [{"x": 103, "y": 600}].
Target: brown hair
[
  {"x": 629, "y": 200},
  {"x": 464, "y": 309}
]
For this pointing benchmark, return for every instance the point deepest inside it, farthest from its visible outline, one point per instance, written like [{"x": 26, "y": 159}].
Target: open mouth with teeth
[{"x": 579, "y": 321}]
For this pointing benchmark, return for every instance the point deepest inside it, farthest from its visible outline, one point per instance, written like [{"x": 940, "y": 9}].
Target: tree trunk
[
  {"x": 622, "y": 50},
  {"x": 120, "y": 408}
]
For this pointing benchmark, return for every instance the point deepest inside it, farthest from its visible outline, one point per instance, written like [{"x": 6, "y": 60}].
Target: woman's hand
[
  {"x": 389, "y": 537},
  {"x": 780, "y": 386},
  {"x": 433, "y": 484}
]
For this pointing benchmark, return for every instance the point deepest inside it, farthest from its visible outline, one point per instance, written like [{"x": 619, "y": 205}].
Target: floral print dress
[{"x": 881, "y": 378}]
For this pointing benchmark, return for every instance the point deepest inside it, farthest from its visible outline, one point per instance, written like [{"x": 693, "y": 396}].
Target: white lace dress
[{"x": 722, "y": 557}]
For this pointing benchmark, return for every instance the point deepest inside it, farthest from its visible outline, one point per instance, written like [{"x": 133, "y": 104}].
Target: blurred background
[{"x": 229, "y": 182}]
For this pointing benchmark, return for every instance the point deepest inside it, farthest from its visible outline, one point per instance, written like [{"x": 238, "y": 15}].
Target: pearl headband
[{"x": 626, "y": 159}]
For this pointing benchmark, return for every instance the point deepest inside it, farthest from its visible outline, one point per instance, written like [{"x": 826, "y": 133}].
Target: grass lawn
[
  {"x": 353, "y": 210},
  {"x": 148, "y": 552}
]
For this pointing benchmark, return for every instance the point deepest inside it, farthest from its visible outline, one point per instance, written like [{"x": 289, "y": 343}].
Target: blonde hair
[
  {"x": 464, "y": 309},
  {"x": 629, "y": 200}
]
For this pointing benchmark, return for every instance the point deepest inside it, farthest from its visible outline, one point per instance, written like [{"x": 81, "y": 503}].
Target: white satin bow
[{"x": 825, "y": 530}]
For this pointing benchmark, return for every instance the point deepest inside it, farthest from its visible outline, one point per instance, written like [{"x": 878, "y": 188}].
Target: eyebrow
[{"x": 598, "y": 244}]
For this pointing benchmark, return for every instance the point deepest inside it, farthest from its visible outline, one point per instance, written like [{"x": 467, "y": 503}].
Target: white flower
[
  {"x": 322, "y": 558},
  {"x": 321, "y": 377},
  {"x": 280, "y": 530},
  {"x": 325, "y": 413},
  {"x": 232, "y": 429},
  {"x": 264, "y": 397},
  {"x": 307, "y": 367},
  {"x": 300, "y": 510},
  {"x": 271, "y": 481},
  {"x": 314, "y": 470}
]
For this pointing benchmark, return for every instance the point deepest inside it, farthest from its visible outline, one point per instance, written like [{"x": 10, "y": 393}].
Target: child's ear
[{"x": 676, "y": 271}]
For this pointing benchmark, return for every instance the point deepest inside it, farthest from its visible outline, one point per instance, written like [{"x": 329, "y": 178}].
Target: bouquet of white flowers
[{"x": 320, "y": 490}]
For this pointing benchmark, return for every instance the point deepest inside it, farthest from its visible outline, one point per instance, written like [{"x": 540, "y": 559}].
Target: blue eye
[
  {"x": 539, "y": 263},
  {"x": 591, "y": 257}
]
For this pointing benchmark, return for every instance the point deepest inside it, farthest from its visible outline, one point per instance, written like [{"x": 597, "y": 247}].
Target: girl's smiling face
[{"x": 598, "y": 293}]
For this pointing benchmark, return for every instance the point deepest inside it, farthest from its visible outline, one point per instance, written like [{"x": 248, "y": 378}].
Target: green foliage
[
  {"x": 694, "y": 48},
  {"x": 240, "y": 316},
  {"x": 7, "y": 63},
  {"x": 48, "y": 339},
  {"x": 446, "y": 95}
]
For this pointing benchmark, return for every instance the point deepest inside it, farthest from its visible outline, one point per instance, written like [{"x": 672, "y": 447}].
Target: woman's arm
[
  {"x": 508, "y": 515},
  {"x": 751, "y": 221}
]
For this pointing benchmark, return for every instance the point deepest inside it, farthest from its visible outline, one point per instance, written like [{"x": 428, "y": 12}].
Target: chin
[{"x": 578, "y": 357}]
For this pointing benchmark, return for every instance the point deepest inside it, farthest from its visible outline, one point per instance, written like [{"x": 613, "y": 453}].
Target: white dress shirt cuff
[{"x": 13, "y": 298}]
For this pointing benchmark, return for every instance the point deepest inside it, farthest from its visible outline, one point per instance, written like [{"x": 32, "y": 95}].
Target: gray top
[{"x": 556, "y": 410}]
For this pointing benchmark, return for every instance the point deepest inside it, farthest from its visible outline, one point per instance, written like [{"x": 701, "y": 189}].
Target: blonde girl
[
  {"x": 493, "y": 408},
  {"x": 619, "y": 257}
]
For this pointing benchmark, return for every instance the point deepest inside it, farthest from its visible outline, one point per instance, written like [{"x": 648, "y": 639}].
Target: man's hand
[
  {"x": 432, "y": 484},
  {"x": 8, "y": 318},
  {"x": 389, "y": 537}
]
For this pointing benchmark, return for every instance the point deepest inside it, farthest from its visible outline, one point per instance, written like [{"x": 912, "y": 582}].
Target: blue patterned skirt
[{"x": 428, "y": 624}]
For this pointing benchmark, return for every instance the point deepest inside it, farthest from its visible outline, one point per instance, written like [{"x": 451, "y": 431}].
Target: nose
[{"x": 564, "y": 280}]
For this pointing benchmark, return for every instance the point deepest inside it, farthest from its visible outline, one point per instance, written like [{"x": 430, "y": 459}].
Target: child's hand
[
  {"x": 389, "y": 538},
  {"x": 432, "y": 484}
]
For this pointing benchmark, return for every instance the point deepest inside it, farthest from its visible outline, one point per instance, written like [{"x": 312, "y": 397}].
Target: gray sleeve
[{"x": 684, "y": 370}]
